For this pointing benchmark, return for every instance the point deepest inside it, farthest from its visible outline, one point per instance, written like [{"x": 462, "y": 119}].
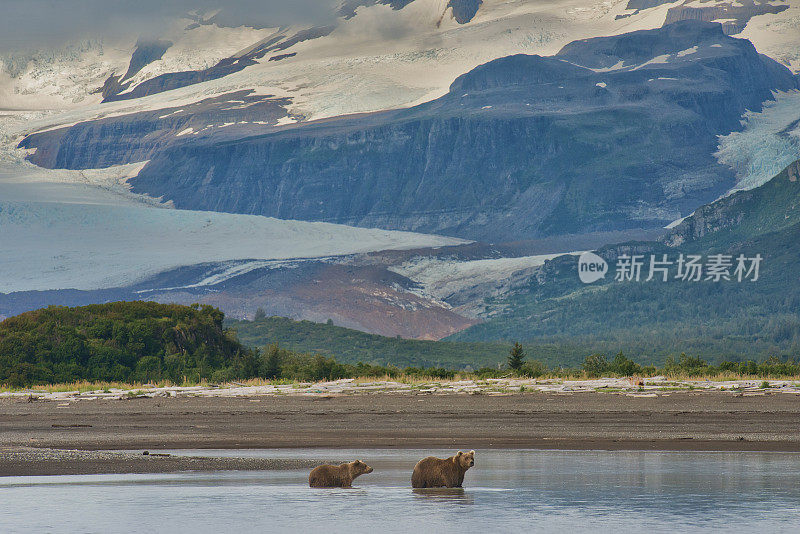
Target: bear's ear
[
  {"x": 459, "y": 453},
  {"x": 472, "y": 452}
]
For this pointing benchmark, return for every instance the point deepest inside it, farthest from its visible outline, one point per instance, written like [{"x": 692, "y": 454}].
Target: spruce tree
[
  {"x": 271, "y": 366},
  {"x": 516, "y": 358}
]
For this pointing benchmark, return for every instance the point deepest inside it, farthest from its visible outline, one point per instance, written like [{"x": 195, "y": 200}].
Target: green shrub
[
  {"x": 623, "y": 366},
  {"x": 595, "y": 365},
  {"x": 690, "y": 365},
  {"x": 431, "y": 372},
  {"x": 533, "y": 369}
]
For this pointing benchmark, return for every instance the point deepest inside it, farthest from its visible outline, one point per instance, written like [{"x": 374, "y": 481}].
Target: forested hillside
[
  {"x": 352, "y": 346},
  {"x": 650, "y": 320},
  {"x": 120, "y": 341}
]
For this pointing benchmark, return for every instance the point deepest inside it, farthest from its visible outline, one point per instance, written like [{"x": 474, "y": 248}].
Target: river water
[{"x": 506, "y": 491}]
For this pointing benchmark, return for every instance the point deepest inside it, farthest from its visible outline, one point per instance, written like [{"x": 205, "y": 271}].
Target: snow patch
[
  {"x": 658, "y": 60},
  {"x": 777, "y": 35},
  {"x": 619, "y": 65},
  {"x": 170, "y": 114},
  {"x": 285, "y": 121},
  {"x": 676, "y": 222}
]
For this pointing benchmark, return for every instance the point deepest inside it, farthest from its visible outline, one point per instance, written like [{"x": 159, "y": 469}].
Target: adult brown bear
[
  {"x": 337, "y": 476},
  {"x": 432, "y": 472}
]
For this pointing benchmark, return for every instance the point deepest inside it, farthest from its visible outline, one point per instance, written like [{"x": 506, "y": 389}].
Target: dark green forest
[{"x": 120, "y": 341}]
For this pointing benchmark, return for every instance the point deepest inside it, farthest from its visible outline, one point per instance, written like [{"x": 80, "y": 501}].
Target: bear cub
[
  {"x": 337, "y": 476},
  {"x": 432, "y": 472}
]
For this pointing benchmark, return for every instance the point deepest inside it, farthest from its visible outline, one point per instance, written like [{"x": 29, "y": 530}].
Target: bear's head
[
  {"x": 359, "y": 468},
  {"x": 465, "y": 459}
]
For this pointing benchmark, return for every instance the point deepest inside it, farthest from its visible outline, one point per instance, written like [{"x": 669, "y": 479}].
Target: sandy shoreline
[
  {"x": 676, "y": 420},
  {"x": 27, "y": 461}
]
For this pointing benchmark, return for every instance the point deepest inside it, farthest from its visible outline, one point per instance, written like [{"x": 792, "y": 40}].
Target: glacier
[
  {"x": 55, "y": 245},
  {"x": 769, "y": 142},
  {"x": 63, "y": 229}
]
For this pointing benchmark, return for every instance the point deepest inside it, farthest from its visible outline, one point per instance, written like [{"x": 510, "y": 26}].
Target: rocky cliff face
[
  {"x": 139, "y": 136},
  {"x": 772, "y": 207},
  {"x": 609, "y": 134},
  {"x": 709, "y": 219},
  {"x": 464, "y": 10}
]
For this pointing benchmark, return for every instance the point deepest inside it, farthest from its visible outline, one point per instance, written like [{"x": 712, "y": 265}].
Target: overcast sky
[{"x": 26, "y": 23}]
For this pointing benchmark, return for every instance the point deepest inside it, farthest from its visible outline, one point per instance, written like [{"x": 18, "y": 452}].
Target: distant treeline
[
  {"x": 652, "y": 347},
  {"x": 146, "y": 342},
  {"x": 688, "y": 366},
  {"x": 352, "y": 346}
]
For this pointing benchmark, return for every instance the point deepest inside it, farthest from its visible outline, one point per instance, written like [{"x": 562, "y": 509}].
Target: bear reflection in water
[
  {"x": 451, "y": 495},
  {"x": 432, "y": 472},
  {"x": 337, "y": 476}
]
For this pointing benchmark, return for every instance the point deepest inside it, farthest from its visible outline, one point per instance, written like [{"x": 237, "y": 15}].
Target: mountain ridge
[{"x": 504, "y": 128}]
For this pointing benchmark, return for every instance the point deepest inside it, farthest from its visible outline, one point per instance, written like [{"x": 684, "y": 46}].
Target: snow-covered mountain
[
  {"x": 377, "y": 55},
  {"x": 508, "y": 153},
  {"x": 203, "y": 82}
]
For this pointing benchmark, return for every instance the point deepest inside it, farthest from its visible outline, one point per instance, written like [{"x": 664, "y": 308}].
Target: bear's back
[
  {"x": 326, "y": 476},
  {"x": 432, "y": 472}
]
